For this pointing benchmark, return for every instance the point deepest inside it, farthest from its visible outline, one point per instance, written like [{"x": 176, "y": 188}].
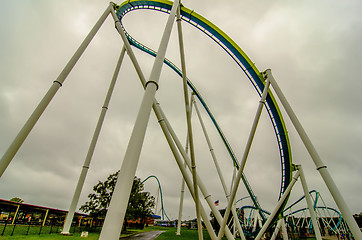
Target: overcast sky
[{"x": 312, "y": 47}]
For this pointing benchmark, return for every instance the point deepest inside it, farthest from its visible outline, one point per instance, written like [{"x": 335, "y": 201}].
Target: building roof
[{"x": 6, "y": 205}]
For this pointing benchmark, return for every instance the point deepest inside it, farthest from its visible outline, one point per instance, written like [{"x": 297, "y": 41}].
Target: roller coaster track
[
  {"x": 163, "y": 212},
  {"x": 324, "y": 213},
  {"x": 245, "y": 64},
  {"x": 317, "y": 209}
]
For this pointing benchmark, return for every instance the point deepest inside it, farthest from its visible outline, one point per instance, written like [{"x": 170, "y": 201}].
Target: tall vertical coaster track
[{"x": 246, "y": 66}]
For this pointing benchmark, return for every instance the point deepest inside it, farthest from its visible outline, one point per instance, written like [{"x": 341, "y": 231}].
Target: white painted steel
[
  {"x": 211, "y": 149},
  {"x": 88, "y": 159},
  {"x": 188, "y": 120},
  {"x": 170, "y": 139},
  {"x": 276, "y": 231},
  {"x": 245, "y": 156},
  {"x": 321, "y": 167},
  {"x": 280, "y": 225},
  {"x": 156, "y": 106},
  {"x": 117, "y": 208},
  {"x": 202, "y": 187},
  {"x": 139, "y": 71},
  {"x": 310, "y": 204},
  {"x": 278, "y": 206},
  {"x": 137, "y": 68},
  {"x": 284, "y": 230},
  {"x": 237, "y": 222},
  {"x": 34, "y": 117},
  {"x": 178, "y": 232},
  {"x": 217, "y": 166}
]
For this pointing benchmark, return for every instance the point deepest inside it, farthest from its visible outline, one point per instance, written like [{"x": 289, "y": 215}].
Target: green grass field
[
  {"x": 169, "y": 234},
  {"x": 20, "y": 232}
]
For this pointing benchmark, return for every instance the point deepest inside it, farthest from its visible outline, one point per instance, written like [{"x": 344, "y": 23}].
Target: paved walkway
[
  {"x": 330, "y": 237},
  {"x": 144, "y": 236}
]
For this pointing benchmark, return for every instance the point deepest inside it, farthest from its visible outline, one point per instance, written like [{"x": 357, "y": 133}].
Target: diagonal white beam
[
  {"x": 218, "y": 170},
  {"x": 321, "y": 167},
  {"x": 34, "y": 117},
  {"x": 245, "y": 156},
  {"x": 117, "y": 208},
  {"x": 188, "y": 120},
  {"x": 69, "y": 219},
  {"x": 278, "y": 206}
]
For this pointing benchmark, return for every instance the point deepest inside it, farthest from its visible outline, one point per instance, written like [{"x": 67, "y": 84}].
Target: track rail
[{"x": 241, "y": 59}]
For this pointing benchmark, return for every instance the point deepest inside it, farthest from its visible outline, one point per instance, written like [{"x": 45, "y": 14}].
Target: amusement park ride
[{"x": 250, "y": 220}]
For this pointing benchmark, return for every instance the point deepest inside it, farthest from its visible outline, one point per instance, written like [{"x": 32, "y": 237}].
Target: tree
[
  {"x": 16, "y": 199},
  {"x": 140, "y": 203}
]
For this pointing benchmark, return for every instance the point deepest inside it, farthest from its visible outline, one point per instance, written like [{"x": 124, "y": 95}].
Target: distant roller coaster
[
  {"x": 163, "y": 211},
  {"x": 266, "y": 87},
  {"x": 297, "y": 217}
]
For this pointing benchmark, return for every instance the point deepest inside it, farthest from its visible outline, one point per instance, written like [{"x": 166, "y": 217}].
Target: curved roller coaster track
[{"x": 245, "y": 64}]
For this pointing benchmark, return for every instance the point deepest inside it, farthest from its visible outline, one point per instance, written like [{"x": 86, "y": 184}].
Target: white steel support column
[
  {"x": 280, "y": 225},
  {"x": 178, "y": 232},
  {"x": 188, "y": 120},
  {"x": 201, "y": 185},
  {"x": 170, "y": 139},
  {"x": 276, "y": 231},
  {"x": 245, "y": 156},
  {"x": 83, "y": 174},
  {"x": 310, "y": 204},
  {"x": 143, "y": 81},
  {"x": 321, "y": 167},
  {"x": 28, "y": 126},
  {"x": 256, "y": 219},
  {"x": 233, "y": 177},
  {"x": 284, "y": 230},
  {"x": 114, "y": 219},
  {"x": 237, "y": 222},
  {"x": 211, "y": 149},
  {"x": 221, "y": 177},
  {"x": 157, "y": 109},
  {"x": 179, "y": 222},
  {"x": 131, "y": 55},
  {"x": 279, "y": 205}
]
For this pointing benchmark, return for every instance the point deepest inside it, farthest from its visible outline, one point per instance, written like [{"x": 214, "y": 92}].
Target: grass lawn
[
  {"x": 54, "y": 236},
  {"x": 169, "y": 234}
]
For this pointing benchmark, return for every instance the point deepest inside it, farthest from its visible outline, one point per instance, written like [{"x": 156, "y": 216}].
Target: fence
[{"x": 8, "y": 229}]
